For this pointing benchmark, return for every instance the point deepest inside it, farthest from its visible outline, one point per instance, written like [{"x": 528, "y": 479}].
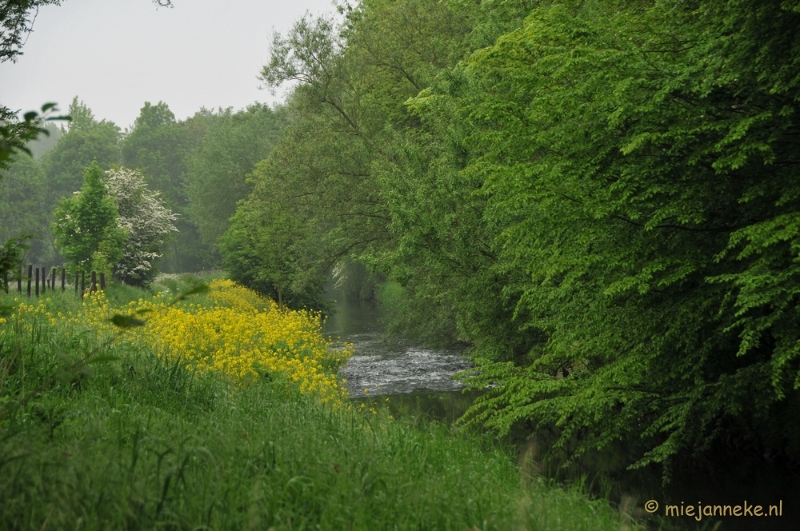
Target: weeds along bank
[
  {"x": 224, "y": 412},
  {"x": 230, "y": 330}
]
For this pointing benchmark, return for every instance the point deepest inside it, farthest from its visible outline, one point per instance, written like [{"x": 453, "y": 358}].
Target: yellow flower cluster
[{"x": 231, "y": 330}]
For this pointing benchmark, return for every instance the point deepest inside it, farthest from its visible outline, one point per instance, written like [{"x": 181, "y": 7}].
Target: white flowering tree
[{"x": 147, "y": 221}]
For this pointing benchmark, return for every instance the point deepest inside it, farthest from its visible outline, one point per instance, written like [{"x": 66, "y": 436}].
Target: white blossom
[{"x": 143, "y": 215}]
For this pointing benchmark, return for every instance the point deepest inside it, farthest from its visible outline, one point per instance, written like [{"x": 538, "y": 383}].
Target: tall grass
[{"x": 150, "y": 441}]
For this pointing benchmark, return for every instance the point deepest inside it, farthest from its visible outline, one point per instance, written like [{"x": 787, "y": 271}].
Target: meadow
[{"x": 221, "y": 410}]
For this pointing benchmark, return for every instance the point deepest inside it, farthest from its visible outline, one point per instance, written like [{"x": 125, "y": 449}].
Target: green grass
[{"x": 140, "y": 443}]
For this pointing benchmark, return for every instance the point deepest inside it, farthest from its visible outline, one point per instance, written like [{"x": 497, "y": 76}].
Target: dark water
[{"x": 419, "y": 383}]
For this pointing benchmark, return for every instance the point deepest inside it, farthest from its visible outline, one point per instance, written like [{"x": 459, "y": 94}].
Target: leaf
[
  {"x": 200, "y": 288},
  {"x": 126, "y": 321}
]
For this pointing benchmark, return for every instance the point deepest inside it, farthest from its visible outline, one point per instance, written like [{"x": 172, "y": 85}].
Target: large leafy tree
[
  {"x": 146, "y": 222},
  {"x": 272, "y": 250},
  {"x": 353, "y": 79},
  {"x": 86, "y": 225}
]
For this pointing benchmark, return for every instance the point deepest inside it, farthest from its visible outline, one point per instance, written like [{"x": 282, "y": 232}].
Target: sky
[{"x": 117, "y": 54}]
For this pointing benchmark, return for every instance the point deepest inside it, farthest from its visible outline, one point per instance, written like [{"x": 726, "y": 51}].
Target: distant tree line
[{"x": 198, "y": 166}]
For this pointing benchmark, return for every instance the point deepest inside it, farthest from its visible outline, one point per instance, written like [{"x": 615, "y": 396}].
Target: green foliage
[
  {"x": 320, "y": 176},
  {"x": 639, "y": 162},
  {"x": 16, "y": 22},
  {"x": 156, "y": 146},
  {"x": 271, "y": 249},
  {"x": 44, "y": 143},
  {"x": 22, "y": 207},
  {"x": 15, "y": 135},
  {"x": 159, "y": 147},
  {"x": 216, "y": 177},
  {"x": 85, "y": 142},
  {"x": 85, "y": 225},
  {"x": 11, "y": 258}
]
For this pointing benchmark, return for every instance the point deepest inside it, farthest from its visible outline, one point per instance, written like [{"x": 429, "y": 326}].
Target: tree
[
  {"x": 158, "y": 146},
  {"x": 353, "y": 79},
  {"x": 86, "y": 225},
  {"x": 15, "y": 135},
  {"x": 218, "y": 168},
  {"x": 266, "y": 254},
  {"x": 146, "y": 221},
  {"x": 85, "y": 142},
  {"x": 23, "y": 208}
]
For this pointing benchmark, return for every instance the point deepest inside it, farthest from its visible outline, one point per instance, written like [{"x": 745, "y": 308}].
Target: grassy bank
[{"x": 223, "y": 412}]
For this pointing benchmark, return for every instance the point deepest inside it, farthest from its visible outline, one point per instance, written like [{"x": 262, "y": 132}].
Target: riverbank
[{"x": 138, "y": 437}]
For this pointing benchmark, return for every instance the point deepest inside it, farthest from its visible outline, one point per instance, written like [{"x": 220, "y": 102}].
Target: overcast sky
[{"x": 116, "y": 54}]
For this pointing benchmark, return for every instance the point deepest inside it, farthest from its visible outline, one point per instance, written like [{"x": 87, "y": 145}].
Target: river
[{"x": 418, "y": 382}]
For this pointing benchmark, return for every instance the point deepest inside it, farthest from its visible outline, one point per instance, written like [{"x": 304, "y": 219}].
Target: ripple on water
[{"x": 401, "y": 370}]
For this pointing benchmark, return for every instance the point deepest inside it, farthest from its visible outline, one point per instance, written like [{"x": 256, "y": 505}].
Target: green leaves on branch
[
  {"x": 85, "y": 225},
  {"x": 640, "y": 164},
  {"x": 16, "y": 134}
]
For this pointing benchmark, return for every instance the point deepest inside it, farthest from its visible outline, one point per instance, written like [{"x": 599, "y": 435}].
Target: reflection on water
[{"x": 421, "y": 386}]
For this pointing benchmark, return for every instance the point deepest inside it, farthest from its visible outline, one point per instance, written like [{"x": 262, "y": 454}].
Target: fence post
[
  {"x": 30, "y": 274},
  {"x": 76, "y": 282},
  {"x": 63, "y": 278},
  {"x": 53, "y": 278},
  {"x": 19, "y": 282},
  {"x": 102, "y": 281},
  {"x": 83, "y": 282},
  {"x": 37, "y": 281},
  {"x": 44, "y": 280},
  {"x": 93, "y": 282}
]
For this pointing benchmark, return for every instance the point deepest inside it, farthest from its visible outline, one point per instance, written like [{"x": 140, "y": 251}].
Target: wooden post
[
  {"x": 44, "y": 280},
  {"x": 93, "y": 282},
  {"x": 102, "y": 281},
  {"x": 63, "y": 278},
  {"x": 53, "y": 278},
  {"x": 83, "y": 282},
  {"x": 76, "y": 282},
  {"x": 19, "y": 282},
  {"x": 37, "y": 281},
  {"x": 30, "y": 274}
]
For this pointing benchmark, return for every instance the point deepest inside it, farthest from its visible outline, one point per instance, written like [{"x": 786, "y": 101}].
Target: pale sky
[{"x": 116, "y": 54}]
